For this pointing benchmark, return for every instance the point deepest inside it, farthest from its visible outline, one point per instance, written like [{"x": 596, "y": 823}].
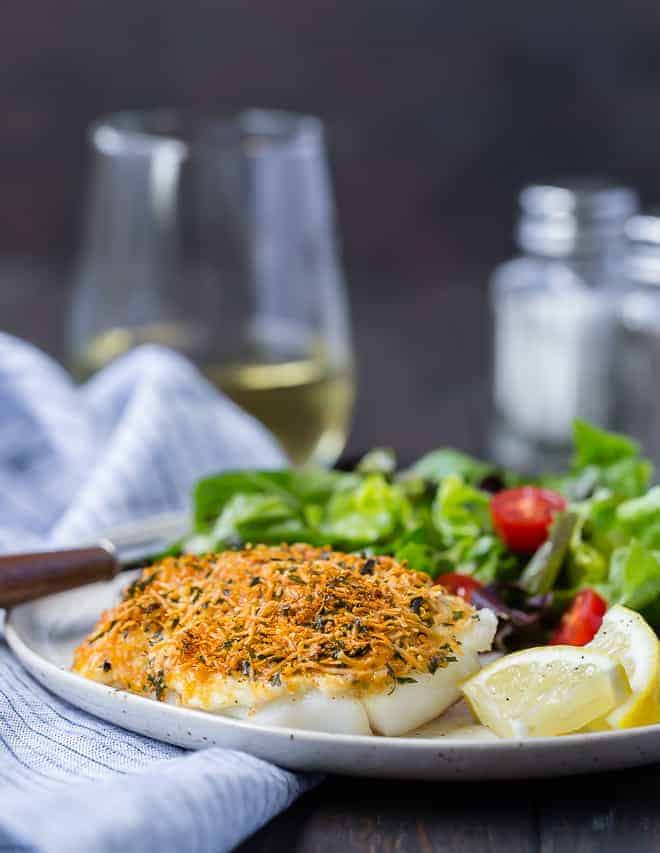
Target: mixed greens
[{"x": 437, "y": 516}]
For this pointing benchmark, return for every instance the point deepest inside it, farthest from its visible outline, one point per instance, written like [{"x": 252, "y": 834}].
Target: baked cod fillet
[{"x": 291, "y": 636}]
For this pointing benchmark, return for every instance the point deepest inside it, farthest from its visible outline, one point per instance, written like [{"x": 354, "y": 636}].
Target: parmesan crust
[{"x": 274, "y": 620}]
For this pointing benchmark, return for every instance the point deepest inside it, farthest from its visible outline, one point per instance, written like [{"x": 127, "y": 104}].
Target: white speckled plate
[{"x": 44, "y": 634}]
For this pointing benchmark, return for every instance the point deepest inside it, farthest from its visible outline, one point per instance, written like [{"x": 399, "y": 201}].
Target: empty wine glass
[{"x": 216, "y": 236}]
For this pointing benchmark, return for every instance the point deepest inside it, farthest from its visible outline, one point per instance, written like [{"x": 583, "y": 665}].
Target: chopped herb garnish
[
  {"x": 104, "y": 631},
  {"x": 297, "y": 579},
  {"x": 416, "y": 604},
  {"x": 367, "y": 567},
  {"x": 195, "y": 592},
  {"x": 276, "y": 681},
  {"x": 360, "y": 651},
  {"x": 254, "y": 581},
  {"x": 398, "y": 679},
  {"x": 157, "y": 682},
  {"x": 139, "y": 585}
]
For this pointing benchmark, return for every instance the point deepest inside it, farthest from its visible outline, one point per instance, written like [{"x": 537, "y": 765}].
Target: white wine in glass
[
  {"x": 303, "y": 401},
  {"x": 216, "y": 237}
]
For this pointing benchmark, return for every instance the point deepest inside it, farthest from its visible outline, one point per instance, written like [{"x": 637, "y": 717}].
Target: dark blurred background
[{"x": 437, "y": 114}]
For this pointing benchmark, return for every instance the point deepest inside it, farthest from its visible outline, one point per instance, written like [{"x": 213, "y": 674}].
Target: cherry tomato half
[
  {"x": 581, "y": 621},
  {"x": 461, "y": 585},
  {"x": 522, "y": 516}
]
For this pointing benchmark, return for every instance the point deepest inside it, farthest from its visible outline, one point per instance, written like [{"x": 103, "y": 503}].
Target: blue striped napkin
[{"x": 73, "y": 462}]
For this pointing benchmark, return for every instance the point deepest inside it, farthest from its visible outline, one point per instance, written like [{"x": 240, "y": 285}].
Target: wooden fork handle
[{"x": 24, "y": 577}]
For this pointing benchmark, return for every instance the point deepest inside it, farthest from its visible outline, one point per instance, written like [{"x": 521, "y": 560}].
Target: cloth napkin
[{"x": 73, "y": 462}]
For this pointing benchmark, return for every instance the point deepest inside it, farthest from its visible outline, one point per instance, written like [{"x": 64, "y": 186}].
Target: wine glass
[{"x": 216, "y": 236}]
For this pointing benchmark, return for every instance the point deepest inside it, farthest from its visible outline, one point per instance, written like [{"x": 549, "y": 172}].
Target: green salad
[{"x": 451, "y": 514}]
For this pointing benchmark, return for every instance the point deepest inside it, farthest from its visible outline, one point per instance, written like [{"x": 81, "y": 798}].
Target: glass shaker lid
[
  {"x": 573, "y": 216},
  {"x": 641, "y": 260}
]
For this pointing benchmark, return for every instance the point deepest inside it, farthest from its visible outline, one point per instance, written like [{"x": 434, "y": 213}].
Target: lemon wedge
[
  {"x": 627, "y": 637},
  {"x": 545, "y": 691}
]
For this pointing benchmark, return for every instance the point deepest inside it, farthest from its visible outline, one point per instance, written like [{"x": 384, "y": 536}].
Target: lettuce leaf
[
  {"x": 602, "y": 460},
  {"x": 596, "y": 446},
  {"x": 250, "y": 517},
  {"x": 634, "y": 576},
  {"x": 606, "y": 460},
  {"x": 459, "y": 510},
  {"x": 542, "y": 571},
  {"x": 372, "y": 512},
  {"x": 438, "y": 464},
  {"x": 640, "y": 517},
  {"x": 461, "y": 516},
  {"x": 295, "y": 488},
  {"x": 423, "y": 558},
  {"x": 380, "y": 460}
]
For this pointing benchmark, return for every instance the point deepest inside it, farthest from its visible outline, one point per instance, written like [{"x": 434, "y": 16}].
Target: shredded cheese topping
[{"x": 275, "y": 617}]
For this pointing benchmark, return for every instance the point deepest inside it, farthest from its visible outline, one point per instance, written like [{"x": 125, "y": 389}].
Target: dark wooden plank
[
  {"x": 447, "y": 107},
  {"x": 582, "y": 814},
  {"x": 605, "y": 812},
  {"x": 367, "y": 816}
]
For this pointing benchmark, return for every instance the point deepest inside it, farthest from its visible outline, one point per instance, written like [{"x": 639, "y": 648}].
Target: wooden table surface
[
  {"x": 580, "y": 814},
  {"x": 438, "y": 398}
]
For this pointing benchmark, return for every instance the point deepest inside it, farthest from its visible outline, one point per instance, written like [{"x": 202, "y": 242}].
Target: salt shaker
[
  {"x": 553, "y": 316},
  {"x": 637, "y": 373}
]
